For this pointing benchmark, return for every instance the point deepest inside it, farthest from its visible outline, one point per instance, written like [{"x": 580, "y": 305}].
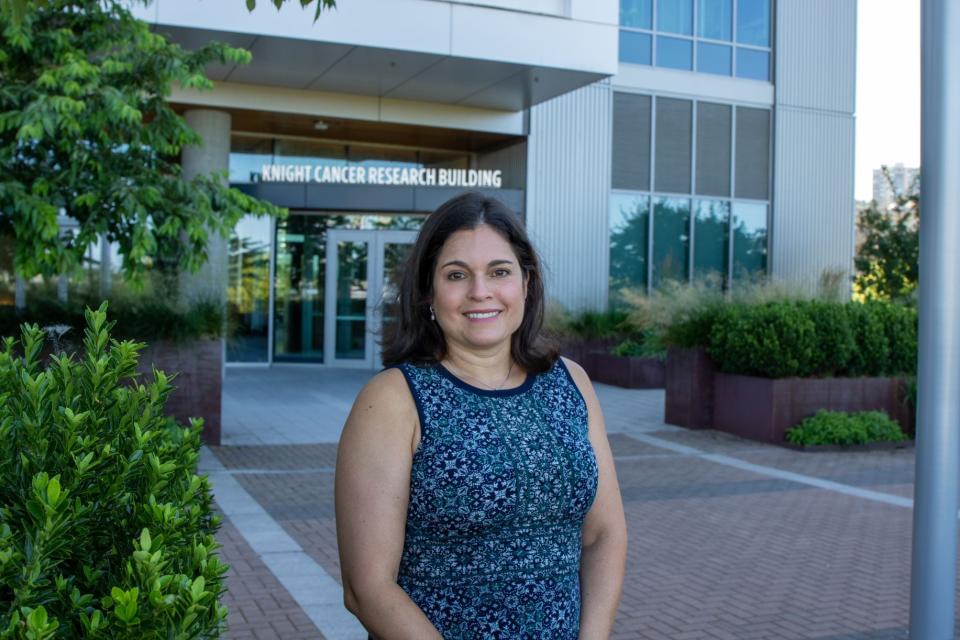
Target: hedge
[{"x": 805, "y": 338}]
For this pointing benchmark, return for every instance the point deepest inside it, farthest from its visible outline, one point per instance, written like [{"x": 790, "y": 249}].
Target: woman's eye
[
  {"x": 454, "y": 275},
  {"x": 503, "y": 273}
]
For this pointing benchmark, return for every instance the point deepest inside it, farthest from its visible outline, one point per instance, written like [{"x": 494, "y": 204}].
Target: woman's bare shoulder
[
  {"x": 577, "y": 372},
  {"x": 385, "y": 396}
]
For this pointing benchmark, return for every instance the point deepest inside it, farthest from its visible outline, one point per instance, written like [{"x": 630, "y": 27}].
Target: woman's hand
[{"x": 371, "y": 493}]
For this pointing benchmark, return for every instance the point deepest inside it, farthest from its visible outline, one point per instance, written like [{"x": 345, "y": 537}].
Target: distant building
[{"x": 903, "y": 181}]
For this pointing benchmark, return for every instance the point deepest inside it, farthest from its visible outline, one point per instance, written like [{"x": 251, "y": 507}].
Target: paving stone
[{"x": 716, "y": 552}]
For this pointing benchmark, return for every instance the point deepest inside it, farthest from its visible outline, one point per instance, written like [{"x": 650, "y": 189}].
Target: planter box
[
  {"x": 198, "y": 383},
  {"x": 581, "y": 351},
  {"x": 870, "y": 446},
  {"x": 764, "y": 408},
  {"x": 626, "y": 371},
  {"x": 689, "y": 388}
]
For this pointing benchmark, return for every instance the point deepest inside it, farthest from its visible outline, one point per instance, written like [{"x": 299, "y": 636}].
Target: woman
[{"x": 476, "y": 495}]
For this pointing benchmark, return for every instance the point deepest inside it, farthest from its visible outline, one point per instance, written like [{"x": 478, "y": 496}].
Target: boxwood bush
[
  {"x": 105, "y": 530},
  {"x": 833, "y": 427},
  {"x": 808, "y": 338}
]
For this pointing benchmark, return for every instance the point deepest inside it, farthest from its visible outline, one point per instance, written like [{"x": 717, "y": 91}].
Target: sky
[{"x": 888, "y": 88}]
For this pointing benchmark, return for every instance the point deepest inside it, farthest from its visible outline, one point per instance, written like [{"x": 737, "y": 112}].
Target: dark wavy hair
[{"x": 412, "y": 336}]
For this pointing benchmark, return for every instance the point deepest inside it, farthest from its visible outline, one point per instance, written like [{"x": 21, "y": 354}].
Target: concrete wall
[
  {"x": 813, "y": 222},
  {"x": 568, "y": 162}
]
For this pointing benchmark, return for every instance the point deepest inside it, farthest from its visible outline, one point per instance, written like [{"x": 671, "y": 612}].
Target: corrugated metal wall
[
  {"x": 813, "y": 224},
  {"x": 568, "y": 184},
  {"x": 511, "y": 160}
]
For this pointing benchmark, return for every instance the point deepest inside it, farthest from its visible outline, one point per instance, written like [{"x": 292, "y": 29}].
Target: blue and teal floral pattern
[{"x": 500, "y": 485}]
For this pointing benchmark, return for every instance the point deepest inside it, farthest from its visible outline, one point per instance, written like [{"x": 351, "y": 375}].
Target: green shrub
[
  {"x": 805, "y": 338},
  {"x": 134, "y": 318},
  {"x": 773, "y": 340},
  {"x": 646, "y": 345},
  {"x": 105, "y": 530},
  {"x": 872, "y": 355},
  {"x": 594, "y": 325},
  {"x": 835, "y": 337},
  {"x": 902, "y": 334},
  {"x": 831, "y": 427}
]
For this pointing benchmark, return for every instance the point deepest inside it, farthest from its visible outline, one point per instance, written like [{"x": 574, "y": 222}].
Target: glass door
[
  {"x": 299, "y": 289},
  {"x": 361, "y": 276},
  {"x": 346, "y": 335},
  {"x": 392, "y": 248}
]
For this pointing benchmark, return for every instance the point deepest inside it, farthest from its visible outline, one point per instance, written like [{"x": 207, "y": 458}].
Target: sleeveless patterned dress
[{"x": 500, "y": 485}]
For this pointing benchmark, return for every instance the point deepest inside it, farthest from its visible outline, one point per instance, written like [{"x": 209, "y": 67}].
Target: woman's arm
[
  {"x": 604, "y": 555},
  {"x": 372, "y": 490}
]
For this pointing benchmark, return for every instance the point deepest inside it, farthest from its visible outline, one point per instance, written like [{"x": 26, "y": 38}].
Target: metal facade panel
[
  {"x": 813, "y": 227},
  {"x": 568, "y": 186},
  {"x": 815, "y": 55},
  {"x": 512, "y": 161}
]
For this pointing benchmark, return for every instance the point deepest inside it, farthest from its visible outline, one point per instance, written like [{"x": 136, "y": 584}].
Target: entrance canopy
[{"x": 500, "y": 58}]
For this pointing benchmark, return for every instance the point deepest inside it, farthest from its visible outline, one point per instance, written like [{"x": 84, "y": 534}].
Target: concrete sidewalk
[{"x": 728, "y": 538}]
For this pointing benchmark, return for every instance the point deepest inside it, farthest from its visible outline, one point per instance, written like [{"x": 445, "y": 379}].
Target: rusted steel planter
[
  {"x": 847, "y": 448},
  {"x": 198, "y": 383},
  {"x": 581, "y": 351},
  {"x": 764, "y": 408},
  {"x": 689, "y": 393},
  {"x": 627, "y": 371}
]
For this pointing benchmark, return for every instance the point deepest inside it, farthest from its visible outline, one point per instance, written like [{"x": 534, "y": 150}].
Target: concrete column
[
  {"x": 20, "y": 293},
  {"x": 105, "y": 266},
  {"x": 213, "y": 156}
]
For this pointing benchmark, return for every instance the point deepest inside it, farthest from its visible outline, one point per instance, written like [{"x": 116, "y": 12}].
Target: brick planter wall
[
  {"x": 628, "y": 372},
  {"x": 199, "y": 380},
  {"x": 689, "y": 393},
  {"x": 764, "y": 408}
]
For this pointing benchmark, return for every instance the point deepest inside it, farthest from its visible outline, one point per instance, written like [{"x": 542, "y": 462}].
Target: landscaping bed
[{"x": 757, "y": 370}]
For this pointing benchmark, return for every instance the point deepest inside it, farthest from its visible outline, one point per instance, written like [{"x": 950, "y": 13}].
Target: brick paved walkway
[{"x": 717, "y": 549}]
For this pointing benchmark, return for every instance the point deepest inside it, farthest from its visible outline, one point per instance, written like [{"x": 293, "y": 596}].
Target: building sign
[{"x": 394, "y": 176}]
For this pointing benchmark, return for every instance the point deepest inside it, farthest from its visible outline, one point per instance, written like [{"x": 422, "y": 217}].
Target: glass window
[
  {"x": 753, "y": 22},
  {"x": 715, "y": 19},
  {"x": 636, "y": 13},
  {"x": 299, "y": 287},
  {"x": 247, "y": 156},
  {"x": 635, "y": 47},
  {"x": 714, "y": 58},
  {"x": 629, "y": 220},
  {"x": 671, "y": 239},
  {"x": 710, "y": 241},
  {"x": 675, "y": 16},
  {"x": 753, "y": 64},
  {"x": 713, "y": 148},
  {"x": 309, "y": 153},
  {"x": 675, "y": 53},
  {"x": 248, "y": 289},
  {"x": 753, "y": 153},
  {"x": 381, "y": 157},
  {"x": 631, "y": 142},
  {"x": 673, "y": 145},
  {"x": 749, "y": 240}
]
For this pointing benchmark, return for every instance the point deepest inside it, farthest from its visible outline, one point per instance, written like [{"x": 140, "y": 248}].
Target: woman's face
[{"x": 478, "y": 289}]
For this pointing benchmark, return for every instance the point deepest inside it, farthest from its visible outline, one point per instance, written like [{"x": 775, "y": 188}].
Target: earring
[{"x": 432, "y": 316}]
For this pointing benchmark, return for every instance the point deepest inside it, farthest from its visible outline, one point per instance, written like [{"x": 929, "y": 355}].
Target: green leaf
[{"x": 145, "y": 541}]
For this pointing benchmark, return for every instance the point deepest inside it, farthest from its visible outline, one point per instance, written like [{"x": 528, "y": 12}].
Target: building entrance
[
  {"x": 360, "y": 278},
  {"x": 308, "y": 288}
]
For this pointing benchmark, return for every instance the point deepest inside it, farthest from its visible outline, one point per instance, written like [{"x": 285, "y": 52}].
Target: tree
[
  {"x": 888, "y": 259},
  {"x": 87, "y": 136},
  {"x": 15, "y": 10}
]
